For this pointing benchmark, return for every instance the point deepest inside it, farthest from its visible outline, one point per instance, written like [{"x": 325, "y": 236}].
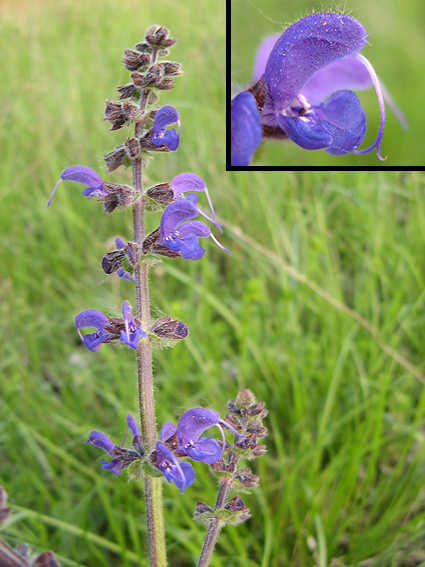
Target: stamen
[{"x": 377, "y": 143}]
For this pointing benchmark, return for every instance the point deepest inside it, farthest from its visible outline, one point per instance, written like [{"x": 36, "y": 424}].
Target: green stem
[
  {"x": 153, "y": 486},
  {"x": 215, "y": 524}
]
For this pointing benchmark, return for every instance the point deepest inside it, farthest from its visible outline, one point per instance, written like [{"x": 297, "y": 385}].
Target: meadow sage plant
[
  {"x": 294, "y": 74},
  {"x": 150, "y": 456}
]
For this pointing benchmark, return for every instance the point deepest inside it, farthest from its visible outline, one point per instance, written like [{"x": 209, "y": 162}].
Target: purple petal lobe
[
  {"x": 168, "y": 430},
  {"x": 119, "y": 243},
  {"x": 306, "y": 47},
  {"x": 164, "y": 117},
  {"x": 81, "y": 174},
  {"x": 101, "y": 441},
  {"x": 175, "y": 214},
  {"x": 132, "y": 425},
  {"x": 114, "y": 466},
  {"x": 206, "y": 450},
  {"x": 194, "y": 422},
  {"x": 182, "y": 474},
  {"x": 195, "y": 227},
  {"x": 262, "y": 56},
  {"x": 91, "y": 318},
  {"x": 337, "y": 125},
  {"x": 187, "y": 182},
  {"x": 347, "y": 73},
  {"x": 246, "y": 129}
]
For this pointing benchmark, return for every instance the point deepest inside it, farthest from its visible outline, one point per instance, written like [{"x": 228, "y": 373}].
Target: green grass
[
  {"x": 343, "y": 479},
  {"x": 395, "y": 49}
]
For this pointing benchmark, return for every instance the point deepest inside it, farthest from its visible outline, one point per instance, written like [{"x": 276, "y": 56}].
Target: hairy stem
[
  {"x": 215, "y": 524},
  {"x": 153, "y": 486}
]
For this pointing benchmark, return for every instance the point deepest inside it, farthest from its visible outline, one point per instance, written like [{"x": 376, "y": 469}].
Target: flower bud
[
  {"x": 118, "y": 195},
  {"x": 246, "y": 478},
  {"x": 157, "y": 36},
  {"x": 162, "y": 193},
  {"x": 133, "y": 60},
  {"x": 112, "y": 261},
  {"x": 114, "y": 159},
  {"x": 126, "y": 91},
  {"x": 171, "y": 68},
  {"x": 133, "y": 148},
  {"x": 168, "y": 328}
]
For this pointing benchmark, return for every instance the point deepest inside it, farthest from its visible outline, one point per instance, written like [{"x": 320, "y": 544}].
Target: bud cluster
[{"x": 245, "y": 416}]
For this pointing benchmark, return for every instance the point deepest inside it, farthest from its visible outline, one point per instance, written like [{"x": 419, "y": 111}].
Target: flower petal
[
  {"x": 132, "y": 425},
  {"x": 101, "y": 441},
  {"x": 175, "y": 214},
  {"x": 206, "y": 450},
  {"x": 81, "y": 174},
  {"x": 246, "y": 129},
  {"x": 182, "y": 474},
  {"x": 306, "y": 47},
  {"x": 164, "y": 117},
  {"x": 337, "y": 125},
  {"x": 168, "y": 430}
]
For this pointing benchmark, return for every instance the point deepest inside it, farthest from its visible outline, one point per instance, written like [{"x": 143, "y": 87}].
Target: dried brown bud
[
  {"x": 114, "y": 326},
  {"x": 201, "y": 508},
  {"x": 133, "y": 60},
  {"x": 257, "y": 428},
  {"x": 259, "y": 450},
  {"x": 133, "y": 148},
  {"x": 236, "y": 504},
  {"x": 162, "y": 193},
  {"x": 112, "y": 261},
  {"x": 114, "y": 158},
  {"x": 126, "y": 91},
  {"x": 143, "y": 47},
  {"x": 113, "y": 110},
  {"x": 219, "y": 466},
  {"x": 150, "y": 244},
  {"x": 171, "y": 68},
  {"x": 157, "y": 36},
  {"x": 166, "y": 84},
  {"x": 245, "y": 398},
  {"x": 246, "y": 478},
  {"x": 118, "y": 195},
  {"x": 168, "y": 328}
]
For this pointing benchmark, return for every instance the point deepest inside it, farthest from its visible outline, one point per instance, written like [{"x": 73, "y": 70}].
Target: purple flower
[
  {"x": 165, "y": 116},
  {"x": 121, "y": 457},
  {"x": 183, "y": 237},
  {"x": 133, "y": 333},
  {"x": 96, "y": 319},
  {"x": 182, "y": 474},
  {"x": 191, "y": 425},
  {"x": 290, "y": 106},
  {"x": 121, "y": 272},
  {"x": 86, "y": 176},
  {"x": 246, "y": 129}
]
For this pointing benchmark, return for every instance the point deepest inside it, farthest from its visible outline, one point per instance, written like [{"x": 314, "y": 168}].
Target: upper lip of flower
[{"x": 84, "y": 175}]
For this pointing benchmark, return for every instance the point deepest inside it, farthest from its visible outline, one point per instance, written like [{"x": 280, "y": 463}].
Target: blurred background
[
  {"x": 319, "y": 311},
  {"x": 396, "y": 50}
]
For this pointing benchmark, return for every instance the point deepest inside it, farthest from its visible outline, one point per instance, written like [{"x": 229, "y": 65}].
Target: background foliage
[
  {"x": 396, "y": 50},
  {"x": 343, "y": 480}
]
